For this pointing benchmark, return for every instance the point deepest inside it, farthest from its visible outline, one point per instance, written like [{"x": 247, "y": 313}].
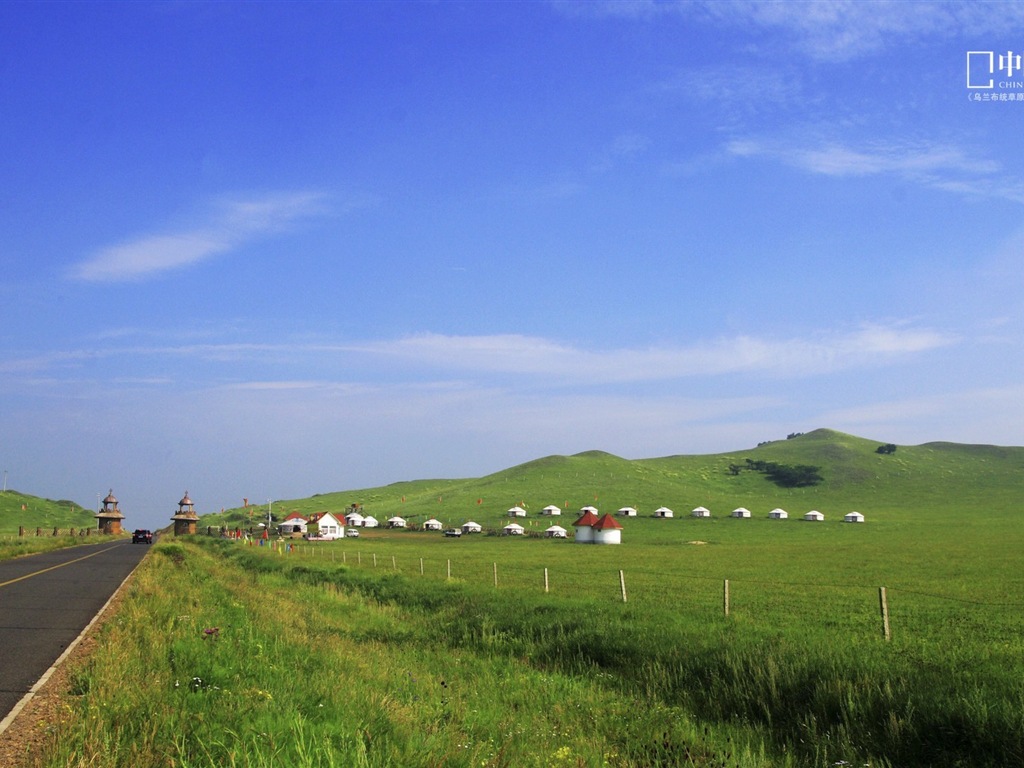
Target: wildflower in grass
[{"x": 213, "y": 632}]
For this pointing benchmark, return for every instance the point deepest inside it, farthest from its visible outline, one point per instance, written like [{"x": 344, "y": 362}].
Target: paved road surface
[{"x": 47, "y": 600}]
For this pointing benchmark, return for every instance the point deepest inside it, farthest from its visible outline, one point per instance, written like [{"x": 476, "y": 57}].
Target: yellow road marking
[{"x": 54, "y": 567}]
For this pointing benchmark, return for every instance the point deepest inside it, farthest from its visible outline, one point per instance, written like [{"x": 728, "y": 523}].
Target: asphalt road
[{"x": 47, "y": 600}]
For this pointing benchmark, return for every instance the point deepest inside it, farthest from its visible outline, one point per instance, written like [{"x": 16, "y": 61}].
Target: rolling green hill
[
  {"x": 944, "y": 477},
  {"x": 19, "y": 509}
]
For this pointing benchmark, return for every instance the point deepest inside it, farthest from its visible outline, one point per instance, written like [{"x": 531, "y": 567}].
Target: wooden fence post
[
  {"x": 449, "y": 570},
  {"x": 495, "y": 575},
  {"x": 622, "y": 584},
  {"x": 374, "y": 559},
  {"x": 545, "y": 581},
  {"x": 421, "y": 566},
  {"x": 394, "y": 565},
  {"x": 725, "y": 597},
  {"x": 883, "y": 605}
]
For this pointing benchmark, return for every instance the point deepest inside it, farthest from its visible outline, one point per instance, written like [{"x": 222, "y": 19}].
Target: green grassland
[
  {"x": 34, "y": 514},
  {"x": 405, "y": 648}
]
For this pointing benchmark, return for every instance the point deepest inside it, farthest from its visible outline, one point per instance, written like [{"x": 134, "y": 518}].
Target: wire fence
[{"x": 854, "y": 610}]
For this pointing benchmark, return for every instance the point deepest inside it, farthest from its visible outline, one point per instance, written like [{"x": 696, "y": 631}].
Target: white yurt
[
  {"x": 551, "y": 509},
  {"x": 701, "y": 512},
  {"x": 513, "y": 529},
  {"x": 814, "y": 516},
  {"x": 741, "y": 512},
  {"x": 433, "y": 524},
  {"x": 354, "y": 518},
  {"x": 556, "y": 532},
  {"x": 607, "y": 530},
  {"x": 627, "y": 512},
  {"x": 853, "y": 517},
  {"x": 294, "y": 523},
  {"x": 396, "y": 522},
  {"x": 778, "y": 514},
  {"x": 584, "y": 527},
  {"x": 663, "y": 512},
  {"x": 517, "y": 511},
  {"x": 471, "y": 527},
  {"x": 370, "y": 522}
]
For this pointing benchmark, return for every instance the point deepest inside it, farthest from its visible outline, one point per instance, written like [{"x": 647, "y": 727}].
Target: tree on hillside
[{"x": 886, "y": 449}]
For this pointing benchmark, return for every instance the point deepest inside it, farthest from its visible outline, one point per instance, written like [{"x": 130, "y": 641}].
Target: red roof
[
  {"x": 588, "y": 518},
  {"x": 295, "y": 516},
  {"x": 606, "y": 522}
]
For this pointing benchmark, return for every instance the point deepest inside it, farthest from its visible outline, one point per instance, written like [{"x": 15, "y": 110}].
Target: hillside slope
[
  {"x": 20, "y": 509},
  {"x": 934, "y": 476}
]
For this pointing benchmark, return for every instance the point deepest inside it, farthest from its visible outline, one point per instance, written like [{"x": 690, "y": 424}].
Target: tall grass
[{"x": 232, "y": 655}]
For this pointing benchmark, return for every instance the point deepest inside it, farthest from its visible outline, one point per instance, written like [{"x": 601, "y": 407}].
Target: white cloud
[
  {"x": 537, "y": 357},
  {"x": 230, "y": 225},
  {"x": 825, "y": 30},
  {"x": 932, "y": 165}
]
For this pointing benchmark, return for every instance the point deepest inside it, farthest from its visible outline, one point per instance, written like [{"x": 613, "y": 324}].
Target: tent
[
  {"x": 471, "y": 527},
  {"x": 741, "y": 512},
  {"x": 517, "y": 512},
  {"x": 551, "y": 509},
  {"x": 815, "y": 516},
  {"x": 432, "y": 525},
  {"x": 396, "y": 522},
  {"x": 627, "y": 512},
  {"x": 853, "y": 517},
  {"x": 701, "y": 512},
  {"x": 370, "y": 522},
  {"x": 354, "y": 518},
  {"x": 513, "y": 529},
  {"x": 556, "y": 532},
  {"x": 778, "y": 514},
  {"x": 663, "y": 512}
]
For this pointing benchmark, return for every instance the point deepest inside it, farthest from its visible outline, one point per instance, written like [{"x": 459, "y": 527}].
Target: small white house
[
  {"x": 513, "y": 529},
  {"x": 396, "y": 522},
  {"x": 741, "y": 512},
  {"x": 370, "y": 522},
  {"x": 814, "y": 516},
  {"x": 584, "y": 527},
  {"x": 432, "y": 525},
  {"x": 607, "y": 530},
  {"x": 517, "y": 511},
  {"x": 663, "y": 512},
  {"x": 471, "y": 527},
  {"x": 627, "y": 512},
  {"x": 853, "y": 517},
  {"x": 327, "y": 526},
  {"x": 355, "y": 519},
  {"x": 556, "y": 532},
  {"x": 778, "y": 514},
  {"x": 550, "y": 510},
  {"x": 701, "y": 512}
]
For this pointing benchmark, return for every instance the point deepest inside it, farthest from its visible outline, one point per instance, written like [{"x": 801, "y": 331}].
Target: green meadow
[
  {"x": 39, "y": 516},
  {"x": 404, "y": 648}
]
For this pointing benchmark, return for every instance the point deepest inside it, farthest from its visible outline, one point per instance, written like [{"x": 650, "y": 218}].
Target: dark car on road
[{"x": 142, "y": 536}]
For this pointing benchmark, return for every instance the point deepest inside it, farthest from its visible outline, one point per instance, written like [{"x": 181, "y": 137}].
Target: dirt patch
[{"x": 22, "y": 744}]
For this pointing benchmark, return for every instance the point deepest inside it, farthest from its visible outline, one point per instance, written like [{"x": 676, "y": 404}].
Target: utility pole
[{"x": 5, "y": 481}]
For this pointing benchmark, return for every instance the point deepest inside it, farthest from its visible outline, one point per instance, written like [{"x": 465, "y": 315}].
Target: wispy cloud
[
  {"x": 231, "y": 224},
  {"x": 935, "y": 165},
  {"x": 538, "y": 357},
  {"x": 824, "y": 30},
  {"x": 508, "y": 359}
]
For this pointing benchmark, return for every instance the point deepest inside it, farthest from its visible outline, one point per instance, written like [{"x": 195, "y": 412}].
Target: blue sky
[{"x": 270, "y": 250}]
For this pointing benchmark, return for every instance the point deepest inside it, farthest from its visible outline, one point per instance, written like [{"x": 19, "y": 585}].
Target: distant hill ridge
[{"x": 853, "y": 474}]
